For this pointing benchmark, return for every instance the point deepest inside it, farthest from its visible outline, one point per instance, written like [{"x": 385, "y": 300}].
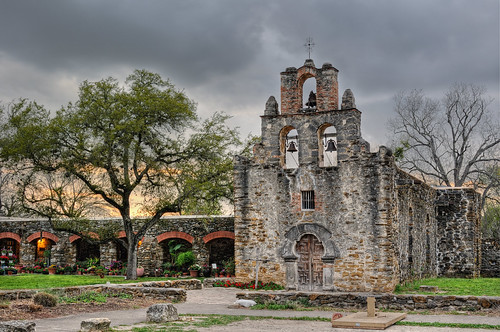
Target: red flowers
[{"x": 248, "y": 285}]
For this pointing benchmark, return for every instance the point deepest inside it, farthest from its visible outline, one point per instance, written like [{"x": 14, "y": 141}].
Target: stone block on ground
[
  {"x": 95, "y": 325},
  {"x": 17, "y": 326},
  {"x": 162, "y": 312},
  {"x": 245, "y": 303},
  {"x": 425, "y": 288}
]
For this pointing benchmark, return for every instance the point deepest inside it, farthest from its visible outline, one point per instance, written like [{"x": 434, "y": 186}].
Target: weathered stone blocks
[
  {"x": 17, "y": 326},
  {"x": 95, "y": 325},
  {"x": 161, "y": 313}
]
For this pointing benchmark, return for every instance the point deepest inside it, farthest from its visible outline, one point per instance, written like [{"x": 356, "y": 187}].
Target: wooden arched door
[{"x": 309, "y": 265}]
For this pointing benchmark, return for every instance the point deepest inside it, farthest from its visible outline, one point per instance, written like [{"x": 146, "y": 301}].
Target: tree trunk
[{"x": 132, "y": 262}]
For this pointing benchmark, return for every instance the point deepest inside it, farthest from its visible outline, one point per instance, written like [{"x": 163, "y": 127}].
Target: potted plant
[
  {"x": 185, "y": 259},
  {"x": 229, "y": 266},
  {"x": 3, "y": 259},
  {"x": 140, "y": 271},
  {"x": 206, "y": 270},
  {"x": 80, "y": 271},
  {"x": 46, "y": 256},
  {"x": 68, "y": 269},
  {"x": 99, "y": 270},
  {"x": 194, "y": 270},
  {"x": 52, "y": 269}
]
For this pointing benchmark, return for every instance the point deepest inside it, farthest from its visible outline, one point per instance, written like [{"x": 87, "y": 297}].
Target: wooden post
[{"x": 370, "y": 306}]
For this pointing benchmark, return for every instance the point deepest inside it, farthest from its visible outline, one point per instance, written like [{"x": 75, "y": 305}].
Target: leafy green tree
[{"x": 122, "y": 143}]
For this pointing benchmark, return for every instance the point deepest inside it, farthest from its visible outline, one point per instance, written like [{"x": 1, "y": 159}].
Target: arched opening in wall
[
  {"x": 289, "y": 147},
  {"x": 220, "y": 250},
  {"x": 43, "y": 247},
  {"x": 309, "y": 93},
  {"x": 309, "y": 265},
  {"x": 10, "y": 249},
  {"x": 327, "y": 145},
  {"x": 85, "y": 250},
  {"x": 410, "y": 237},
  {"x": 171, "y": 249},
  {"x": 121, "y": 250}
]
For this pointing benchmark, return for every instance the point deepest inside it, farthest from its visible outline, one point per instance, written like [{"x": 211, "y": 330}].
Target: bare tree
[{"x": 452, "y": 142}]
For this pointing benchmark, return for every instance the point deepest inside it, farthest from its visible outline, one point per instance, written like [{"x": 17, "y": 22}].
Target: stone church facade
[{"x": 316, "y": 210}]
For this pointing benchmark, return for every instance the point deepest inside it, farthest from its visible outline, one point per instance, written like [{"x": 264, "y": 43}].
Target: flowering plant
[{"x": 195, "y": 267}]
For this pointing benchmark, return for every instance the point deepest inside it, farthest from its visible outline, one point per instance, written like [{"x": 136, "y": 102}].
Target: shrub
[
  {"x": 45, "y": 299},
  {"x": 34, "y": 307},
  {"x": 185, "y": 259}
]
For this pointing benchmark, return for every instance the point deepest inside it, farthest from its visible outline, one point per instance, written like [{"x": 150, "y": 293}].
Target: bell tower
[{"x": 292, "y": 82}]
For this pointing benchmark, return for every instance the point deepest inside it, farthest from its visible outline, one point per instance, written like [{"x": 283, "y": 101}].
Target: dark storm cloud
[
  {"x": 228, "y": 54},
  {"x": 192, "y": 39}
]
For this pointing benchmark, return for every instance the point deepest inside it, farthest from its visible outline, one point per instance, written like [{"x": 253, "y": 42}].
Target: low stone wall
[
  {"x": 160, "y": 290},
  {"x": 188, "y": 284},
  {"x": 384, "y": 301}
]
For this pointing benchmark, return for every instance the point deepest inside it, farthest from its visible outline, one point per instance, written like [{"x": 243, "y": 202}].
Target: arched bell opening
[
  {"x": 289, "y": 147},
  {"x": 308, "y": 92},
  {"x": 327, "y": 145}
]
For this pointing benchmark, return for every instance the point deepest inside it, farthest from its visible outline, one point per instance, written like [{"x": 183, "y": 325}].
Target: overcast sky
[{"x": 227, "y": 55}]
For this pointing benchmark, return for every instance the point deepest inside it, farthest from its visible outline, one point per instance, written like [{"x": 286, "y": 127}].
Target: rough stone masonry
[{"x": 326, "y": 213}]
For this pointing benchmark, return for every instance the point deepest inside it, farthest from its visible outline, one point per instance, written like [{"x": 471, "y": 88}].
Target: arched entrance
[
  {"x": 86, "y": 250},
  {"x": 10, "y": 245},
  {"x": 221, "y": 250},
  {"x": 309, "y": 264},
  {"x": 172, "y": 248},
  {"x": 309, "y": 253}
]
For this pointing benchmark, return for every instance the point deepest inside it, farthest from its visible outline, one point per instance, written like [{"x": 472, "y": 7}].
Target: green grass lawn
[
  {"x": 455, "y": 286},
  {"x": 43, "y": 281}
]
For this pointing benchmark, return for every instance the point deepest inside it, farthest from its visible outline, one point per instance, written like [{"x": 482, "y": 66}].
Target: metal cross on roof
[{"x": 309, "y": 45}]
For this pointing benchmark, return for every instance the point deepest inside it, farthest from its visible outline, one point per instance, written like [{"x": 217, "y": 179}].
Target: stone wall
[
  {"x": 162, "y": 291},
  {"x": 459, "y": 232},
  {"x": 490, "y": 258},
  {"x": 383, "y": 301},
  {"x": 414, "y": 227},
  {"x": 199, "y": 230}
]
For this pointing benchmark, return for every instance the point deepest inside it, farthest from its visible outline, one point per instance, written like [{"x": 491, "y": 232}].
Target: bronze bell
[
  {"x": 330, "y": 147},
  {"x": 291, "y": 147}
]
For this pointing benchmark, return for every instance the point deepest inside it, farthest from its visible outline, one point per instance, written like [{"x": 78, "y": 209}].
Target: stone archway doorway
[{"x": 309, "y": 264}]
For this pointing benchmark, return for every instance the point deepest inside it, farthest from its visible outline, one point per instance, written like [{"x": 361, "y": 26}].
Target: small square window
[{"x": 308, "y": 200}]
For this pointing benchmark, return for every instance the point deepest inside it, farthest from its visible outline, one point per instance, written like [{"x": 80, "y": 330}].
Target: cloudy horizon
[{"x": 227, "y": 56}]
